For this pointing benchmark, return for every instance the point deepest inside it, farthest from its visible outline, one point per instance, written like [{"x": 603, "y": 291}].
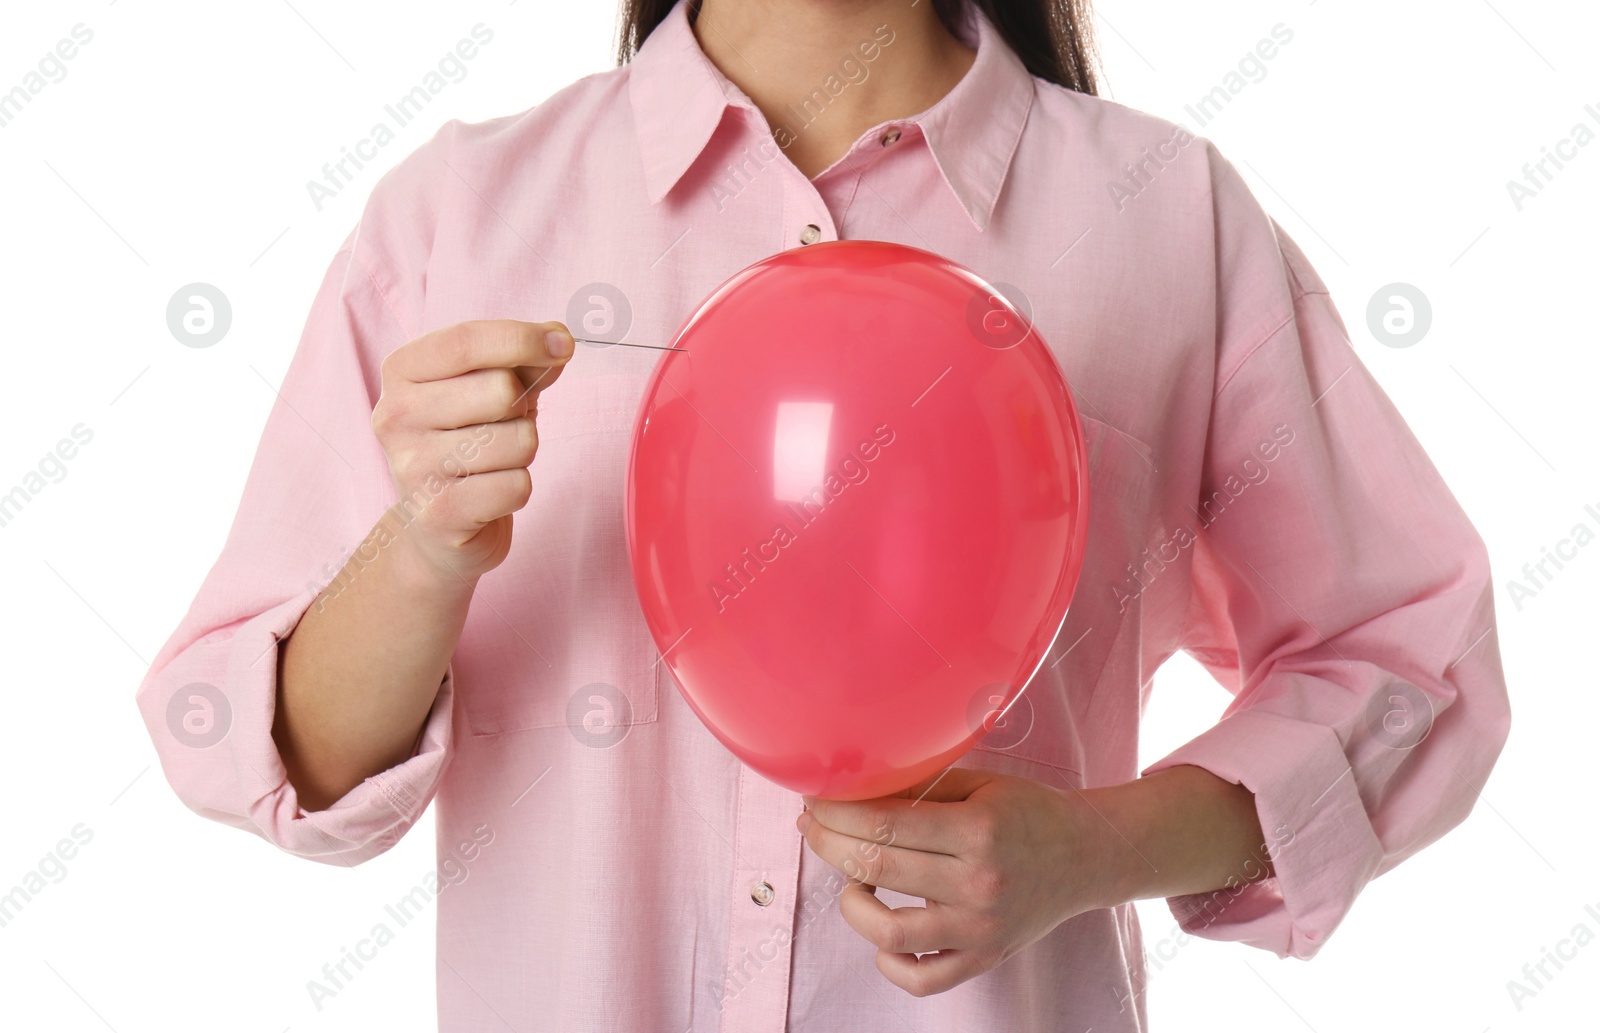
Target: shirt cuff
[
  {"x": 1316, "y": 831},
  {"x": 232, "y": 772}
]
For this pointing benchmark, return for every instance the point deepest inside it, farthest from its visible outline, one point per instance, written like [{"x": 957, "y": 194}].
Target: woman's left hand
[{"x": 999, "y": 860}]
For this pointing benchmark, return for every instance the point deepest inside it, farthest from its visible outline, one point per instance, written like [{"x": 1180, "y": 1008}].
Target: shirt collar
[{"x": 679, "y": 98}]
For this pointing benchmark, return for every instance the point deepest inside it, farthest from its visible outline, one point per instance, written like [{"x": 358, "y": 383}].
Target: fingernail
[{"x": 559, "y": 344}]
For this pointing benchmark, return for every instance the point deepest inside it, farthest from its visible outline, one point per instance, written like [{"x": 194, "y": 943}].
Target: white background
[{"x": 177, "y": 150}]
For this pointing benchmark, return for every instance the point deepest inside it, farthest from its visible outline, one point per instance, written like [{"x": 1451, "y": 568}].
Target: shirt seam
[
  {"x": 1297, "y": 292},
  {"x": 405, "y": 327},
  {"x": 1277, "y": 329},
  {"x": 400, "y": 804},
  {"x": 407, "y": 331}
]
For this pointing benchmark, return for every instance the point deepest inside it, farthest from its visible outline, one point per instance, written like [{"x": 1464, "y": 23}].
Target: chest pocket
[
  {"x": 1050, "y": 725},
  {"x": 555, "y": 636}
]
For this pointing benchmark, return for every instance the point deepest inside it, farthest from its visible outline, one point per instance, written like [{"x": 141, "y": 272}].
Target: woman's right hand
[{"x": 456, "y": 422}]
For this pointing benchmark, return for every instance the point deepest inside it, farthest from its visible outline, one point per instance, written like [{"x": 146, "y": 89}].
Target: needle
[{"x": 625, "y": 344}]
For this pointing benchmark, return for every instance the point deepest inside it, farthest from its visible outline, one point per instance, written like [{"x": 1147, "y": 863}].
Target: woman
[{"x": 374, "y": 634}]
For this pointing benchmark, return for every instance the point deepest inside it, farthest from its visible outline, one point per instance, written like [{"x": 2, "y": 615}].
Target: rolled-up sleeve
[
  {"x": 1339, "y": 592},
  {"x": 318, "y": 483}
]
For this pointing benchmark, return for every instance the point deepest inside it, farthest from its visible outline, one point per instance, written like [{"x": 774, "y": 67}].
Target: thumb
[{"x": 949, "y": 786}]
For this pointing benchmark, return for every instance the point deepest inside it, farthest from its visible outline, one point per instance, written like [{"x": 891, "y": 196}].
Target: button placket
[
  {"x": 806, "y": 218},
  {"x": 766, "y": 872}
]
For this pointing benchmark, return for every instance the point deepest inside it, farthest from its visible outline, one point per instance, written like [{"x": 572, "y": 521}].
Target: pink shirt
[{"x": 1257, "y": 502}]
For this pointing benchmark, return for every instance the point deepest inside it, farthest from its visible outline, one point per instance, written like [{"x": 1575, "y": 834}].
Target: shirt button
[
  {"x": 811, "y": 233},
  {"x": 890, "y": 137},
  {"x": 762, "y": 894}
]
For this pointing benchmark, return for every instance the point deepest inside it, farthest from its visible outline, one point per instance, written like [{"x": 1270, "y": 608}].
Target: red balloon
[{"x": 856, "y": 512}]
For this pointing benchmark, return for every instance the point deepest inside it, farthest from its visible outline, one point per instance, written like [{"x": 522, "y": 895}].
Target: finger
[
  {"x": 890, "y": 820},
  {"x": 535, "y": 380},
  {"x": 931, "y": 973},
  {"x": 489, "y": 446},
  {"x": 914, "y": 872},
  {"x": 481, "y": 344},
  {"x": 471, "y": 502},
  {"x": 899, "y": 930},
  {"x": 480, "y": 396}
]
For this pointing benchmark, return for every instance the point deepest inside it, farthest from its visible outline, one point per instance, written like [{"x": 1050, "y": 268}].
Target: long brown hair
[{"x": 1051, "y": 37}]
